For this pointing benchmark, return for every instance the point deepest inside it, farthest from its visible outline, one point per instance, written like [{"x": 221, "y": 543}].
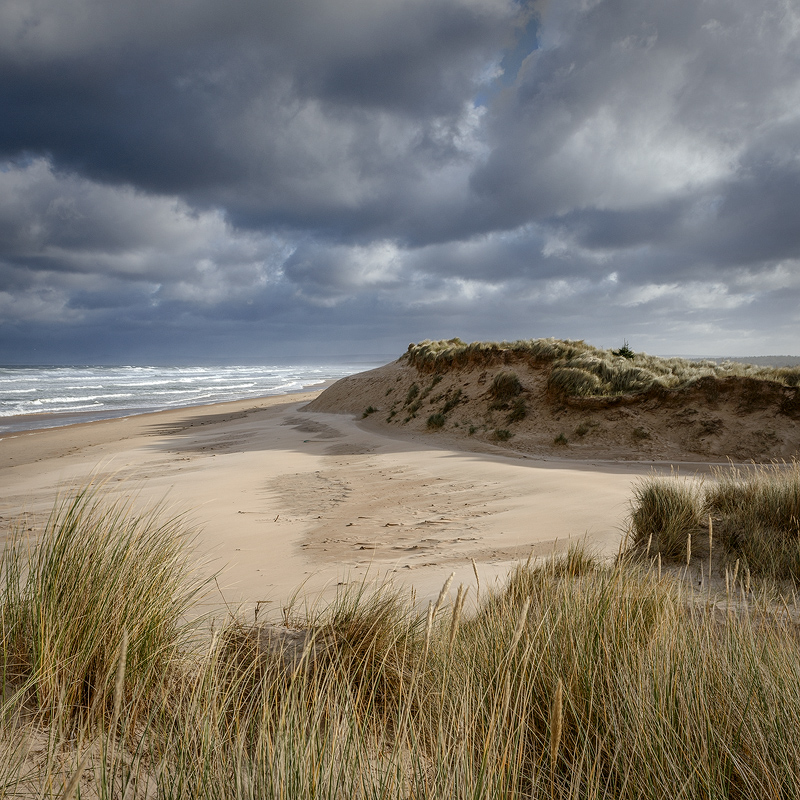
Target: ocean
[{"x": 47, "y": 397}]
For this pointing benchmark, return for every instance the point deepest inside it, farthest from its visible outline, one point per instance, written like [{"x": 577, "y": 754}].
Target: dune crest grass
[
  {"x": 575, "y": 679},
  {"x": 579, "y": 369}
]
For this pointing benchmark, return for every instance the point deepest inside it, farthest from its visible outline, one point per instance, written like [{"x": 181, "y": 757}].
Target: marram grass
[
  {"x": 100, "y": 573},
  {"x": 579, "y": 369},
  {"x": 754, "y": 512},
  {"x": 577, "y": 679}
]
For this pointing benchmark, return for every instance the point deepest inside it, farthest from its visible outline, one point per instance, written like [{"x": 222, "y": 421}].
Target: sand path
[{"x": 284, "y": 498}]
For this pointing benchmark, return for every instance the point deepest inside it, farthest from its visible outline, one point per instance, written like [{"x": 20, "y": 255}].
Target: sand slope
[{"x": 712, "y": 420}]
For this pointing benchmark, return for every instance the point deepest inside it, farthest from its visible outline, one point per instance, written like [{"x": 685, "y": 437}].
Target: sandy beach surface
[{"x": 286, "y": 499}]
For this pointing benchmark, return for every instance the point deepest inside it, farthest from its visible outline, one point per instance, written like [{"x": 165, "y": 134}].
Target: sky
[{"x": 242, "y": 180}]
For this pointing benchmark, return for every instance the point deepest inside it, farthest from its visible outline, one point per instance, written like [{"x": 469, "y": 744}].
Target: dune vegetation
[
  {"x": 570, "y": 400},
  {"x": 748, "y": 517},
  {"x": 577, "y": 679},
  {"x": 581, "y": 370}
]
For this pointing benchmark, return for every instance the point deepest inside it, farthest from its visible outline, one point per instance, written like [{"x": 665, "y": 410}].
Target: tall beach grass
[
  {"x": 101, "y": 572},
  {"x": 575, "y": 679},
  {"x": 751, "y": 512}
]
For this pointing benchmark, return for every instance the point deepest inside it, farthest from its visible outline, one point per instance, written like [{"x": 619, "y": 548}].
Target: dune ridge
[{"x": 569, "y": 400}]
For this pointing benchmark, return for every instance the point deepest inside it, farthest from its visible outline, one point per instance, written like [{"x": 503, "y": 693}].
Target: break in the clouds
[{"x": 190, "y": 178}]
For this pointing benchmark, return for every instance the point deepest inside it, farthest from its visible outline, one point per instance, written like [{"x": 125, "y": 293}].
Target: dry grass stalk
[
  {"x": 119, "y": 682},
  {"x": 523, "y": 616},
  {"x": 119, "y": 689},
  {"x": 443, "y": 594},
  {"x": 727, "y": 587},
  {"x": 457, "y": 609},
  {"x": 72, "y": 785},
  {"x": 429, "y": 626},
  {"x": 710, "y": 544},
  {"x": 556, "y": 720}
]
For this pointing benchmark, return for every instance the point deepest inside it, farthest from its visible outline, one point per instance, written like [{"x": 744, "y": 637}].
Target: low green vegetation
[
  {"x": 505, "y": 386},
  {"x": 436, "y": 420},
  {"x": 452, "y": 401},
  {"x": 624, "y": 351},
  {"x": 579, "y": 369},
  {"x": 576, "y": 679},
  {"x": 502, "y": 435},
  {"x": 368, "y": 410},
  {"x": 428, "y": 389},
  {"x": 753, "y": 513},
  {"x": 518, "y": 410}
]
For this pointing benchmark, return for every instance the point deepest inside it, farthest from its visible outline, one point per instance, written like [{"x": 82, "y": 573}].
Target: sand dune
[{"x": 712, "y": 419}]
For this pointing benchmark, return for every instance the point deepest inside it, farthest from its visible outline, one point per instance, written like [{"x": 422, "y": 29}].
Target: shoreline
[
  {"x": 85, "y": 417},
  {"x": 287, "y": 500}
]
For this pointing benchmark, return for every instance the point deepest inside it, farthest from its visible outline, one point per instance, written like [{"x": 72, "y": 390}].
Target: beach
[
  {"x": 285, "y": 500},
  {"x": 295, "y": 511}
]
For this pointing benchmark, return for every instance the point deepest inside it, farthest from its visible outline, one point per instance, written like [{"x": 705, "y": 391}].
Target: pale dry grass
[
  {"x": 577, "y": 679},
  {"x": 579, "y": 369},
  {"x": 754, "y": 512},
  {"x": 100, "y": 572}
]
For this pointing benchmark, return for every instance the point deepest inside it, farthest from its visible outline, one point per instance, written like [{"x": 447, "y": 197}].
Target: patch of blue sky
[{"x": 504, "y": 76}]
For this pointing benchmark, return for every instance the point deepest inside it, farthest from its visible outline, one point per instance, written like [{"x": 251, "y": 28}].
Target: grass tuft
[
  {"x": 412, "y": 393},
  {"x": 665, "y": 511},
  {"x": 505, "y": 386},
  {"x": 754, "y": 509},
  {"x": 518, "y": 412},
  {"x": 101, "y": 573}
]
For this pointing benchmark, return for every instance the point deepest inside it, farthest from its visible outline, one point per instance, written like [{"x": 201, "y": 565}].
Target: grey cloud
[
  {"x": 271, "y": 172},
  {"x": 637, "y": 102},
  {"x": 285, "y": 112}
]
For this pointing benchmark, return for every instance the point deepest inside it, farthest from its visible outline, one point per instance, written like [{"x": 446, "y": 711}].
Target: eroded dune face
[{"x": 580, "y": 404}]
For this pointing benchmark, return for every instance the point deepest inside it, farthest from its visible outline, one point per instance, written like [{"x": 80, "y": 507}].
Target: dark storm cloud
[
  {"x": 262, "y": 172},
  {"x": 288, "y": 112}
]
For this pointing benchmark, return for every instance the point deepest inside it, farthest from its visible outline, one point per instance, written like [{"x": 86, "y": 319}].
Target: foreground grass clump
[
  {"x": 579, "y": 369},
  {"x": 754, "y": 512},
  {"x": 576, "y": 679},
  {"x": 666, "y": 512},
  {"x": 100, "y": 572}
]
